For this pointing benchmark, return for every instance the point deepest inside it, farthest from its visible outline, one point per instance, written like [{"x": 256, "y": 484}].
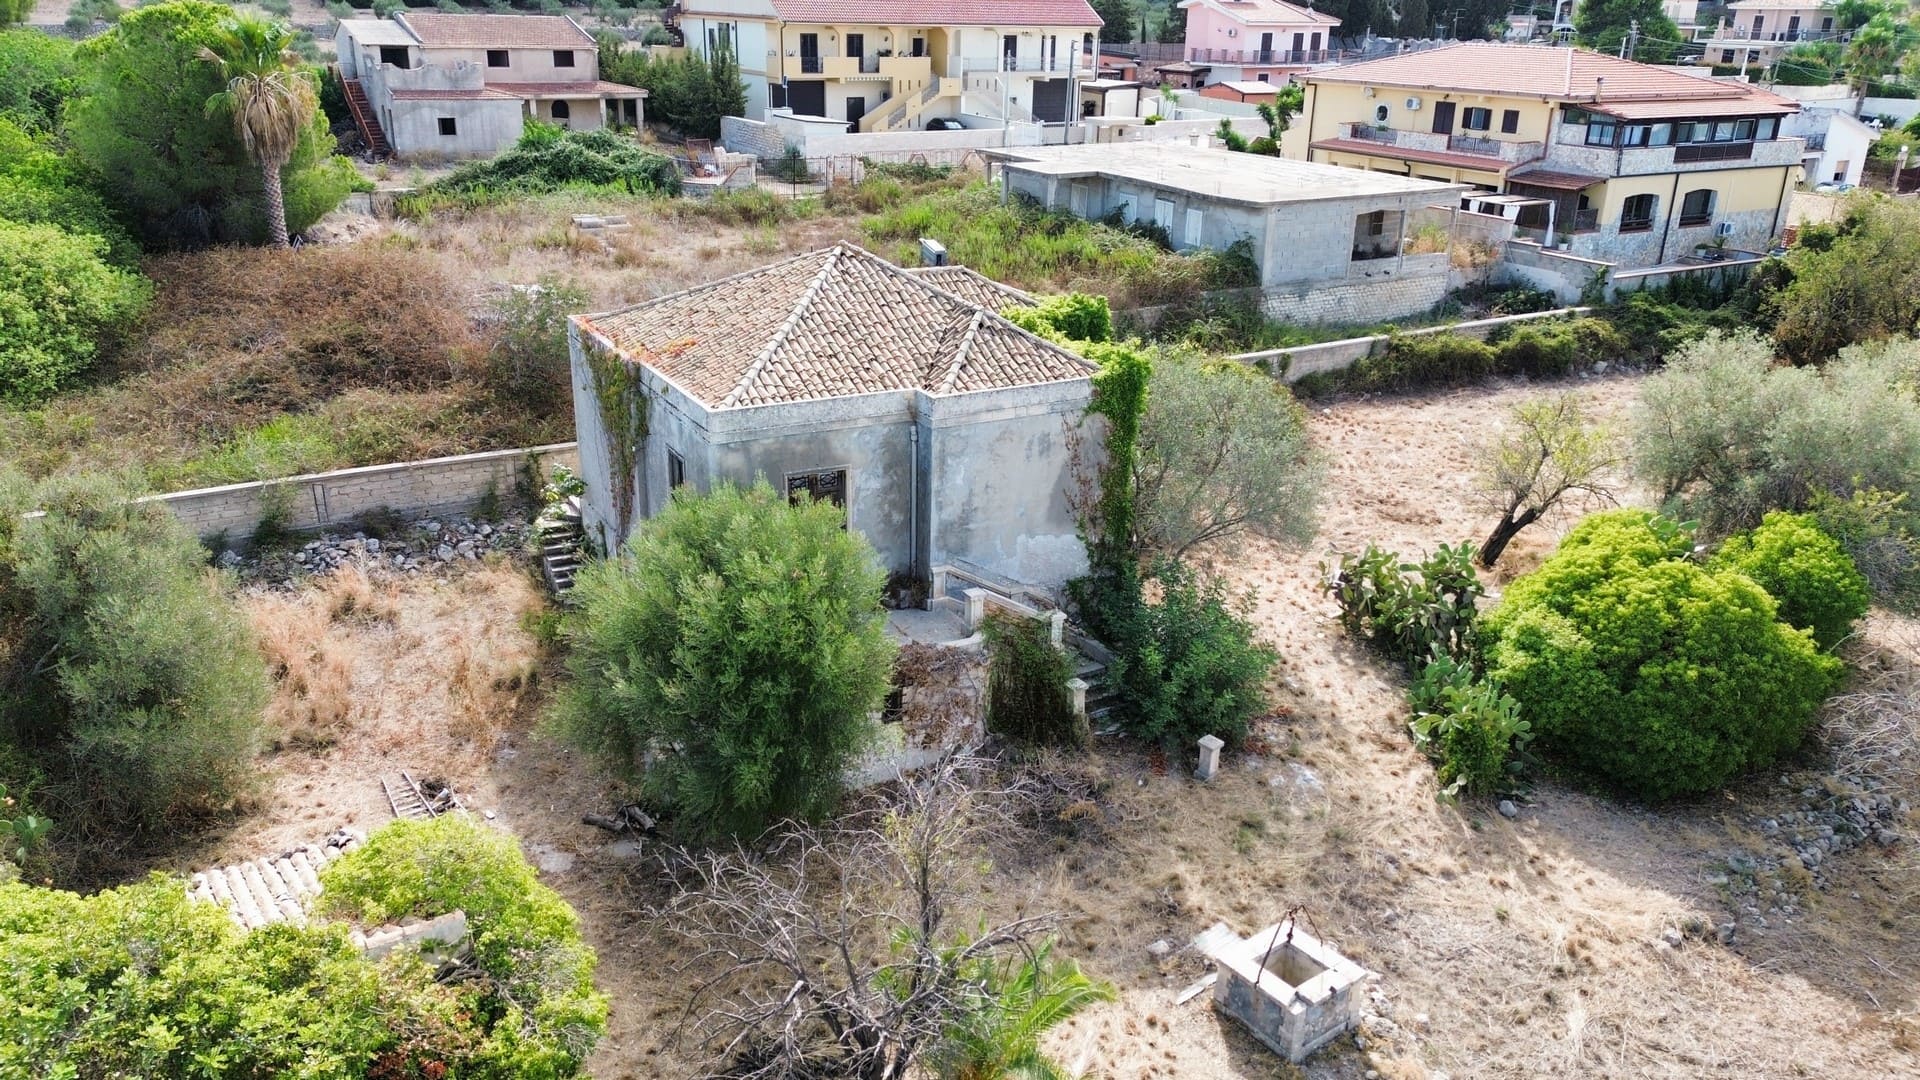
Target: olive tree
[{"x": 1550, "y": 450}]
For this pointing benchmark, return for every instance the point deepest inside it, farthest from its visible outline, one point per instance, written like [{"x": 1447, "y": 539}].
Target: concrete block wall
[
  {"x": 1296, "y": 363},
  {"x": 1388, "y": 297},
  {"x": 320, "y": 501}
]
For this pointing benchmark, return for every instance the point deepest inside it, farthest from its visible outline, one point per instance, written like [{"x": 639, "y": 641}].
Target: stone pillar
[
  {"x": 1210, "y": 746},
  {"x": 1078, "y": 687},
  {"x": 1057, "y": 629},
  {"x": 976, "y": 607}
]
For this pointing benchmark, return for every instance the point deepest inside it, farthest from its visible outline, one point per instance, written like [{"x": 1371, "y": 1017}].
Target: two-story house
[
  {"x": 897, "y": 65},
  {"x": 1625, "y": 163},
  {"x": 1755, "y": 33},
  {"x": 427, "y": 83},
  {"x": 1256, "y": 40}
]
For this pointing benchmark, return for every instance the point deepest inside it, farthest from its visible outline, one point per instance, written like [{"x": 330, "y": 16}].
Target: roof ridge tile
[{"x": 781, "y": 336}]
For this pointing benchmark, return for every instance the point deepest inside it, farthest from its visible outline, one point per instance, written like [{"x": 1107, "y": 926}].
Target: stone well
[{"x": 1292, "y": 990}]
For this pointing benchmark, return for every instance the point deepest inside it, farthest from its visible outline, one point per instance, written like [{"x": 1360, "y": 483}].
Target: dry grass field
[{"x": 1534, "y": 947}]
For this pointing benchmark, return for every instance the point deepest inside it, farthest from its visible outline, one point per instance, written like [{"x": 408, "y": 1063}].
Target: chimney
[{"x": 1599, "y": 87}]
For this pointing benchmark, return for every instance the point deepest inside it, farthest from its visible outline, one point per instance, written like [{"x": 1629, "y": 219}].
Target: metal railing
[
  {"x": 812, "y": 65},
  {"x": 1258, "y": 56},
  {"x": 1736, "y": 34},
  {"x": 1586, "y": 221},
  {"x": 1473, "y": 144},
  {"x": 1369, "y": 133}
]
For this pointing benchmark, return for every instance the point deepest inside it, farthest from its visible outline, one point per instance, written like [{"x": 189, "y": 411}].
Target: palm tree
[
  {"x": 1000, "y": 1038},
  {"x": 270, "y": 98}
]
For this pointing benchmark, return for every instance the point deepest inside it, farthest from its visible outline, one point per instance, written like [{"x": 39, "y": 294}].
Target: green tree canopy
[
  {"x": 1864, "y": 286},
  {"x": 182, "y": 177},
  {"x": 60, "y": 301},
  {"x": 737, "y": 646},
  {"x": 1122, "y": 18},
  {"x": 1604, "y": 24},
  {"x": 37, "y": 74}
]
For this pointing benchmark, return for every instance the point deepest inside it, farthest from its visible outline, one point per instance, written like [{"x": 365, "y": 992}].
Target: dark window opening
[
  {"x": 397, "y": 55},
  {"x": 562, "y": 111},
  {"x": 563, "y": 58},
  {"x": 825, "y": 485},
  {"x": 676, "y": 470},
  {"x": 448, "y": 126},
  {"x": 1637, "y": 214},
  {"x": 1697, "y": 207},
  {"x": 1510, "y": 121},
  {"x": 1476, "y": 119},
  {"x": 895, "y": 706},
  {"x": 497, "y": 58}
]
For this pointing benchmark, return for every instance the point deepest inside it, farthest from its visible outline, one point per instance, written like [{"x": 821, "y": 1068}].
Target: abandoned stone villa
[{"x": 902, "y": 396}]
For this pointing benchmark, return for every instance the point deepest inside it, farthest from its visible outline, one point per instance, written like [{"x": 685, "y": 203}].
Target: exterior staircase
[
  {"x": 369, "y": 125},
  {"x": 560, "y": 535},
  {"x": 903, "y": 112}
]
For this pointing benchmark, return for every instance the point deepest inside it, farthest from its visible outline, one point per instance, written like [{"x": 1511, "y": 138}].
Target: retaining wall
[
  {"x": 1295, "y": 363},
  {"x": 319, "y": 501}
]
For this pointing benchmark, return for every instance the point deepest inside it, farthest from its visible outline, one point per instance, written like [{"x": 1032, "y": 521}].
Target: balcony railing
[
  {"x": 1714, "y": 151},
  {"x": 1258, "y": 56},
  {"x": 1470, "y": 144},
  {"x": 1586, "y": 221},
  {"x": 812, "y": 65},
  {"x": 1062, "y": 63},
  {"x": 1738, "y": 34},
  {"x": 1501, "y": 150},
  {"x": 1369, "y": 133}
]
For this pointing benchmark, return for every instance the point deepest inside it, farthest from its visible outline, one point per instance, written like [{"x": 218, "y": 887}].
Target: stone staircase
[
  {"x": 363, "y": 116},
  {"x": 1099, "y": 698},
  {"x": 560, "y": 535}
]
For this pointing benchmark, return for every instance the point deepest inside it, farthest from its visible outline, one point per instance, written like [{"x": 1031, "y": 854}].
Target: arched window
[
  {"x": 1637, "y": 214},
  {"x": 1697, "y": 207},
  {"x": 562, "y": 111}
]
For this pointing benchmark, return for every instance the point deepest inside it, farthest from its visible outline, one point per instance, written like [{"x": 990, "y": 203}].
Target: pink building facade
[{"x": 1256, "y": 40}]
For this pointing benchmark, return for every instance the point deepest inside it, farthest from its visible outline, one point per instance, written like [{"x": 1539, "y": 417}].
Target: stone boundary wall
[
  {"x": 1424, "y": 282},
  {"x": 1567, "y": 276},
  {"x": 320, "y": 501},
  {"x": 1290, "y": 365}
]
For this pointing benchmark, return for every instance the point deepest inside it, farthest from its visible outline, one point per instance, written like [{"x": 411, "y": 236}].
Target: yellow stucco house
[
  {"x": 1600, "y": 157},
  {"x": 903, "y": 65}
]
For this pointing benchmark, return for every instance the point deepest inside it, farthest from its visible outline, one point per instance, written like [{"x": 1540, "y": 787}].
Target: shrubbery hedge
[{"x": 1806, "y": 572}]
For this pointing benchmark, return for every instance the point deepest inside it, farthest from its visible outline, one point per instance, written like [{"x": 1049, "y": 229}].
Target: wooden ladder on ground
[{"x": 362, "y": 111}]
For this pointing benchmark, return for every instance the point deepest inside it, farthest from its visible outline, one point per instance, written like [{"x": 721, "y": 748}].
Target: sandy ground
[{"x": 1524, "y": 948}]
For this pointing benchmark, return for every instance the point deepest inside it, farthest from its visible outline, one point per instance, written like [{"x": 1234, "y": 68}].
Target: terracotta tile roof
[
  {"x": 450, "y": 95},
  {"x": 441, "y": 30},
  {"x": 832, "y": 323},
  {"x": 973, "y": 287},
  {"x": 263, "y": 891},
  {"x": 1562, "y": 74},
  {"x": 1265, "y": 12},
  {"x": 601, "y": 88},
  {"x": 1407, "y": 153},
  {"x": 950, "y": 13}
]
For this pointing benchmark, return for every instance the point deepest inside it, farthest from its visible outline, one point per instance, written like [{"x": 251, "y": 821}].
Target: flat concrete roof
[
  {"x": 1222, "y": 174},
  {"x": 378, "y": 32}
]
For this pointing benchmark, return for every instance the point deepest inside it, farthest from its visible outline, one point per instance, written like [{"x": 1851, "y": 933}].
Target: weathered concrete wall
[
  {"x": 1300, "y": 361},
  {"x": 483, "y": 127},
  {"x": 1567, "y": 276},
  {"x": 329, "y": 500}
]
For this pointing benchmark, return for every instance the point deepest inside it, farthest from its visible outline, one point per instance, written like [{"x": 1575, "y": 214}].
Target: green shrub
[
  {"x": 1808, "y": 574},
  {"x": 1881, "y": 534},
  {"x": 1186, "y": 665},
  {"x": 1027, "y": 696},
  {"x": 537, "y": 1010},
  {"x": 1469, "y": 727},
  {"x": 38, "y": 73},
  {"x": 1074, "y": 316},
  {"x": 1410, "y": 363},
  {"x": 548, "y": 159},
  {"x": 59, "y": 303},
  {"x": 1412, "y": 612},
  {"x": 1521, "y": 300},
  {"x": 1556, "y": 348},
  {"x": 791, "y": 167},
  {"x": 132, "y": 684},
  {"x": 739, "y": 644},
  {"x": 1648, "y": 671},
  {"x": 23, "y": 837},
  {"x": 528, "y": 363},
  {"x": 39, "y": 186}
]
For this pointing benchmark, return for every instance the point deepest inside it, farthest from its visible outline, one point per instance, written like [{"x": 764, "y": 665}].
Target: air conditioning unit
[
  {"x": 1413, "y": 104},
  {"x": 1725, "y": 228}
]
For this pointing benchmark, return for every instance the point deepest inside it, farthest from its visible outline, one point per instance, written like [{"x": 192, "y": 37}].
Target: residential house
[
  {"x": 896, "y": 65},
  {"x": 1837, "y": 143},
  {"x": 1621, "y": 162},
  {"x": 1755, "y": 33},
  {"x": 427, "y": 83},
  {"x": 1332, "y": 245},
  {"x": 1246, "y": 93},
  {"x": 1256, "y": 40},
  {"x": 904, "y": 397}
]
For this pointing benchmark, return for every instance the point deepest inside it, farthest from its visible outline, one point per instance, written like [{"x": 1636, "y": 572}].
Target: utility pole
[{"x": 1631, "y": 43}]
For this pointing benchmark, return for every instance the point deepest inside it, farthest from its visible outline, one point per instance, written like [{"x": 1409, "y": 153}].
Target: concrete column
[
  {"x": 1057, "y": 629},
  {"x": 976, "y": 607},
  {"x": 1210, "y": 746},
  {"x": 1078, "y": 687}
]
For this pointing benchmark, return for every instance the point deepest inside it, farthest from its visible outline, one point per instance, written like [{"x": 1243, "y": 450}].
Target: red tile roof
[
  {"x": 1266, "y": 12},
  {"x": 441, "y": 30},
  {"x": 1599, "y": 82},
  {"x": 1404, "y": 153},
  {"x": 947, "y": 13},
  {"x": 1553, "y": 178}
]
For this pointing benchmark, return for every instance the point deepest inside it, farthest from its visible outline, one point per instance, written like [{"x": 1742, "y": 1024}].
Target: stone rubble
[
  {"x": 428, "y": 546},
  {"x": 1820, "y": 823}
]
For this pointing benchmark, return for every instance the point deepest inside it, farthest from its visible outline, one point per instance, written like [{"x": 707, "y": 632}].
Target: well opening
[{"x": 1286, "y": 962}]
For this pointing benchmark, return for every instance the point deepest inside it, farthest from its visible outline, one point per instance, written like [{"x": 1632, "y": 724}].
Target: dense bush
[
  {"x": 1864, "y": 286},
  {"x": 1412, "y": 612},
  {"x": 38, "y": 74},
  {"x": 1027, "y": 696},
  {"x": 1808, "y": 574},
  {"x": 179, "y": 175},
  {"x": 1184, "y": 665},
  {"x": 1646, "y": 670},
  {"x": 124, "y": 676},
  {"x": 59, "y": 303},
  {"x": 144, "y": 981},
  {"x": 1540, "y": 349},
  {"x": 1881, "y": 533},
  {"x": 537, "y": 1012},
  {"x": 688, "y": 93},
  {"x": 1546, "y": 349},
  {"x": 40, "y": 186},
  {"x": 529, "y": 363},
  {"x": 738, "y": 646},
  {"x": 1726, "y": 435},
  {"x": 548, "y": 158},
  {"x": 1469, "y": 726}
]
